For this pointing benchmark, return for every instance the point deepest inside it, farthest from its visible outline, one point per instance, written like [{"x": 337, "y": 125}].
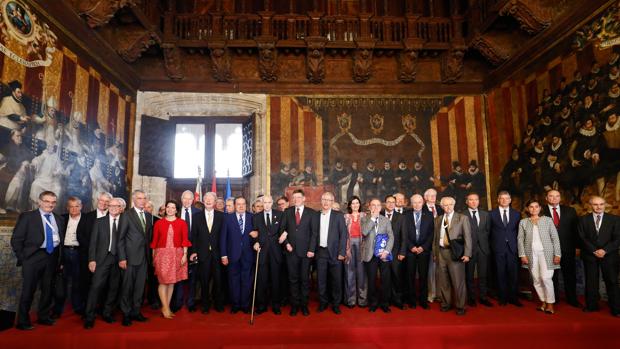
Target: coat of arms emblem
[
  {"x": 344, "y": 122},
  {"x": 409, "y": 123},
  {"x": 376, "y": 123}
]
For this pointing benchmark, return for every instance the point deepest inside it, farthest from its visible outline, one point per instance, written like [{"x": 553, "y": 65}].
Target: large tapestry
[
  {"x": 373, "y": 146},
  {"x": 62, "y": 126}
]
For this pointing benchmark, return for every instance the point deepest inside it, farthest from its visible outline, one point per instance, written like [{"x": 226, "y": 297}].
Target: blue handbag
[{"x": 381, "y": 241}]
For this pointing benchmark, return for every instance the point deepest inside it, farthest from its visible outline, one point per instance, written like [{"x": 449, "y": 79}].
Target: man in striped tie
[
  {"x": 36, "y": 243},
  {"x": 238, "y": 255}
]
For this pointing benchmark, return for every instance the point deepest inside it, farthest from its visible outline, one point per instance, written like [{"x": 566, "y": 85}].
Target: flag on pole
[
  {"x": 213, "y": 184},
  {"x": 198, "y": 191},
  {"x": 228, "y": 191}
]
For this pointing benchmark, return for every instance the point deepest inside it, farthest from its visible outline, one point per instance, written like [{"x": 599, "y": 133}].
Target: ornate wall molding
[
  {"x": 491, "y": 51},
  {"x": 315, "y": 60},
  {"x": 531, "y": 16},
  {"x": 132, "y": 45},
  {"x": 172, "y": 61},
  {"x": 407, "y": 65},
  {"x": 452, "y": 65},
  {"x": 220, "y": 62},
  {"x": 99, "y": 12},
  {"x": 267, "y": 60}
]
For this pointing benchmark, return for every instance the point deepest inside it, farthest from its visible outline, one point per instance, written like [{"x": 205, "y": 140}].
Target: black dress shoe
[
  {"x": 336, "y": 309},
  {"x": 350, "y": 306},
  {"x": 26, "y": 327},
  {"x": 471, "y": 302},
  {"x": 205, "y": 310},
  {"x": 517, "y": 304},
  {"x": 140, "y": 318},
  {"x": 219, "y": 308},
  {"x": 486, "y": 302},
  {"x": 444, "y": 309},
  {"x": 424, "y": 305},
  {"x": 192, "y": 309},
  {"x": 246, "y": 310},
  {"x": 126, "y": 321},
  {"x": 460, "y": 312},
  {"x": 412, "y": 305},
  {"x": 277, "y": 311},
  {"x": 260, "y": 310},
  {"x": 88, "y": 324},
  {"x": 322, "y": 307},
  {"x": 108, "y": 318},
  {"x": 386, "y": 309},
  {"x": 55, "y": 315},
  {"x": 46, "y": 322},
  {"x": 372, "y": 308},
  {"x": 294, "y": 311},
  {"x": 234, "y": 310},
  {"x": 305, "y": 311},
  {"x": 399, "y": 305},
  {"x": 590, "y": 310},
  {"x": 575, "y": 304}
]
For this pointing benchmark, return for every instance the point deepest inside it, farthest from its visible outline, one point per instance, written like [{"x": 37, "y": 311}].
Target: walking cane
[{"x": 254, "y": 292}]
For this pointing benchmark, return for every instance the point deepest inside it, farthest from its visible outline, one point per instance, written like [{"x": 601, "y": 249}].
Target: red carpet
[{"x": 505, "y": 327}]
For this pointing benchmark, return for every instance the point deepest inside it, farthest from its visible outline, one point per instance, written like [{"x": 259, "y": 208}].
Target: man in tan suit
[{"x": 451, "y": 228}]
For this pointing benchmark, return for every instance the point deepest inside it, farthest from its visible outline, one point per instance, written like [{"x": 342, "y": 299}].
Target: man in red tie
[
  {"x": 565, "y": 221},
  {"x": 298, "y": 234}
]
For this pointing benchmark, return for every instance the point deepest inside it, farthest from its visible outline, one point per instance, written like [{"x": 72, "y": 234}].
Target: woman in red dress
[{"x": 170, "y": 243}]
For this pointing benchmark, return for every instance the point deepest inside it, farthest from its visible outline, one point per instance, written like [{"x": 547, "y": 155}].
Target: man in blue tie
[
  {"x": 36, "y": 243},
  {"x": 238, "y": 255}
]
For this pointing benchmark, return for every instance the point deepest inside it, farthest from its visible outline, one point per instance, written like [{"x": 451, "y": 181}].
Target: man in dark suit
[
  {"x": 504, "y": 227},
  {"x": 37, "y": 243},
  {"x": 237, "y": 254},
  {"x": 74, "y": 257},
  {"x": 418, "y": 227},
  {"x": 431, "y": 206},
  {"x": 135, "y": 233},
  {"x": 186, "y": 286},
  {"x": 298, "y": 233},
  {"x": 398, "y": 251},
  {"x": 267, "y": 223},
  {"x": 600, "y": 236},
  {"x": 480, "y": 230},
  {"x": 565, "y": 221},
  {"x": 205, "y": 237},
  {"x": 103, "y": 263},
  {"x": 332, "y": 243},
  {"x": 103, "y": 201}
]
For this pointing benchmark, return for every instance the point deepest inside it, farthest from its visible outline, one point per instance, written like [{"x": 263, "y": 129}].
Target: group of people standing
[{"x": 375, "y": 256}]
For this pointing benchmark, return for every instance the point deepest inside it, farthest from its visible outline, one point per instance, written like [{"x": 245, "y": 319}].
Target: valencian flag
[
  {"x": 198, "y": 191},
  {"x": 213, "y": 184}
]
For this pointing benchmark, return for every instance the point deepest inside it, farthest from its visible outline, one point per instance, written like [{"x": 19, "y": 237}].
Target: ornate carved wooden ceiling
[{"x": 380, "y": 46}]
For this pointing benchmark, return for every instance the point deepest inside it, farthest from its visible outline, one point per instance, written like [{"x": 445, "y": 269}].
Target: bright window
[
  {"x": 189, "y": 150},
  {"x": 228, "y": 150}
]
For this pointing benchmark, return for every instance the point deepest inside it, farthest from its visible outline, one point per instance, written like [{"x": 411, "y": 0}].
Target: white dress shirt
[
  {"x": 443, "y": 232},
  {"x": 557, "y": 209},
  {"x": 324, "y": 228},
  {"x": 71, "y": 232},
  {"x": 111, "y": 222},
  {"x": 101, "y": 213},
  {"x": 471, "y": 213},
  {"x": 189, "y": 209}
]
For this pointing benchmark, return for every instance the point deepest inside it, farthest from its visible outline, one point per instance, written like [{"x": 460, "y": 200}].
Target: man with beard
[
  {"x": 613, "y": 94},
  {"x": 48, "y": 130},
  {"x": 335, "y": 177},
  {"x": 476, "y": 182},
  {"x": 585, "y": 158},
  {"x": 12, "y": 111},
  {"x": 420, "y": 177},
  {"x": 611, "y": 155},
  {"x": 13, "y": 176},
  {"x": 370, "y": 180},
  {"x": 308, "y": 177},
  {"x": 387, "y": 180},
  {"x": 588, "y": 108},
  {"x": 281, "y": 179},
  {"x": 456, "y": 183},
  {"x": 403, "y": 177}
]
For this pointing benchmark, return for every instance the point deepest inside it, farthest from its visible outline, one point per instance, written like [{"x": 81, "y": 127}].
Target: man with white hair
[
  {"x": 205, "y": 250},
  {"x": 451, "y": 250},
  {"x": 187, "y": 213}
]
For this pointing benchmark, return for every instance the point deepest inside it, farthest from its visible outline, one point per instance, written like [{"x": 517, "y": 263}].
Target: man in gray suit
[
  {"x": 103, "y": 263},
  {"x": 133, "y": 247},
  {"x": 451, "y": 228},
  {"x": 332, "y": 243},
  {"x": 480, "y": 250},
  {"x": 372, "y": 225}
]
